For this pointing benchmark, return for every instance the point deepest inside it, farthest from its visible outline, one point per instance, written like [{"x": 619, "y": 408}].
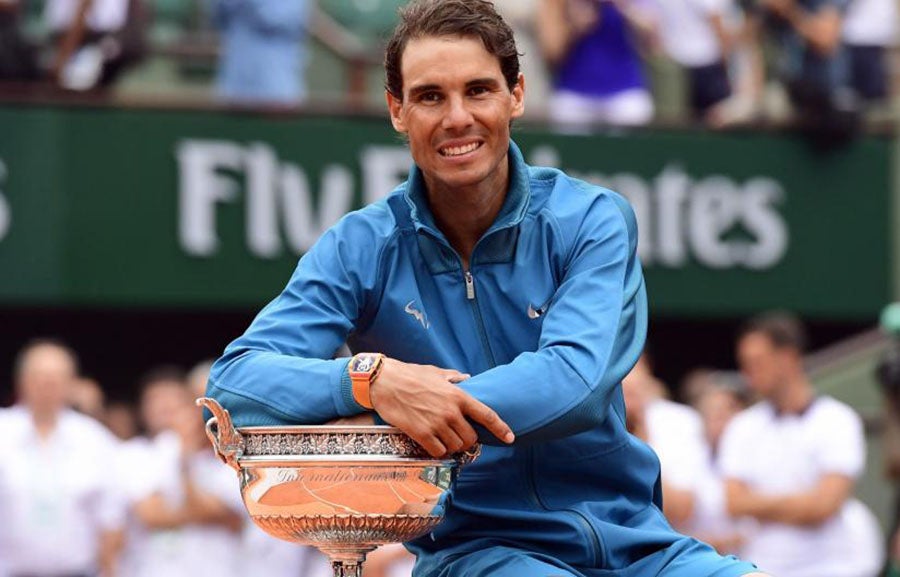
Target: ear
[
  {"x": 518, "y": 97},
  {"x": 395, "y": 106}
]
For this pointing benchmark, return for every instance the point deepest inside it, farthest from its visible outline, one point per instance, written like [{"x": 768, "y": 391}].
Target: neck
[
  {"x": 465, "y": 214},
  {"x": 44, "y": 421},
  {"x": 796, "y": 396}
]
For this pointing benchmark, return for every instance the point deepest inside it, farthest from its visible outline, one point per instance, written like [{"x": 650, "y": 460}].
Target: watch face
[{"x": 363, "y": 363}]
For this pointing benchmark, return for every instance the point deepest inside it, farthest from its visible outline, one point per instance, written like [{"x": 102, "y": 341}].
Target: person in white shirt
[
  {"x": 791, "y": 461},
  {"x": 192, "y": 509},
  {"x": 674, "y": 431},
  {"x": 696, "y": 36},
  {"x": 717, "y": 402},
  {"x": 56, "y": 494}
]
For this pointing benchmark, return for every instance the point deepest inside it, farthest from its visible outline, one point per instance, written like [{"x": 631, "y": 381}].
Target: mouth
[{"x": 459, "y": 150}]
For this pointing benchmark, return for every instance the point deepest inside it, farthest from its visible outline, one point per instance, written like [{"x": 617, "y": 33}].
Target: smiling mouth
[{"x": 452, "y": 151}]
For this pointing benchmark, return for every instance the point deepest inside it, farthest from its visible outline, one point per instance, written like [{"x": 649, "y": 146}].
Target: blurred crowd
[
  {"x": 756, "y": 462},
  {"x": 822, "y": 64}
]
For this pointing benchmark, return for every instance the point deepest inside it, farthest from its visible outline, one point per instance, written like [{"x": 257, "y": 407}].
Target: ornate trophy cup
[{"x": 342, "y": 489}]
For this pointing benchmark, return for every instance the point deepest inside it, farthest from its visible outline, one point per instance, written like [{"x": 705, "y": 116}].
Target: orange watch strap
[{"x": 361, "y": 382}]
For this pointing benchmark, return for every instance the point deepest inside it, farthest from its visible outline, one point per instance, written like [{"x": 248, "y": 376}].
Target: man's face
[
  {"x": 456, "y": 110},
  {"x": 46, "y": 378},
  {"x": 764, "y": 366},
  {"x": 160, "y": 402}
]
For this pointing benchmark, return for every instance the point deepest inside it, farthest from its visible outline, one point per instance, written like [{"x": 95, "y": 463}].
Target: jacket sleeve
[
  {"x": 592, "y": 334},
  {"x": 281, "y": 370}
]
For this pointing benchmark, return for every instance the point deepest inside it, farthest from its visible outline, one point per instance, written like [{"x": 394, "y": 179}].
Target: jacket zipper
[{"x": 479, "y": 321}]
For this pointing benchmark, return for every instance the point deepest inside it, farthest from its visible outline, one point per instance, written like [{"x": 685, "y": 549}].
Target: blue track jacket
[{"x": 550, "y": 317}]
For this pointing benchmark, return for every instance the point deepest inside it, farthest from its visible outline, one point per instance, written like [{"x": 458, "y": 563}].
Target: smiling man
[{"x": 486, "y": 300}]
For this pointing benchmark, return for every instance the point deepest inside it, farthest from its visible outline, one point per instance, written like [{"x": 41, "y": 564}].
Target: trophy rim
[
  {"x": 318, "y": 429},
  {"x": 339, "y": 460}
]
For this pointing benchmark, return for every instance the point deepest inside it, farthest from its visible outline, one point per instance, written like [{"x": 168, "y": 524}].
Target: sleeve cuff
[{"x": 347, "y": 405}]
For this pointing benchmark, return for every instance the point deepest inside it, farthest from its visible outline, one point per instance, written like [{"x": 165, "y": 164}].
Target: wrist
[{"x": 364, "y": 369}]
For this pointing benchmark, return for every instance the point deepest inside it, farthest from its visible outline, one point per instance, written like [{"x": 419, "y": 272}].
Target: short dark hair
[
  {"x": 37, "y": 343},
  {"x": 466, "y": 18},
  {"x": 163, "y": 374},
  {"x": 784, "y": 329}
]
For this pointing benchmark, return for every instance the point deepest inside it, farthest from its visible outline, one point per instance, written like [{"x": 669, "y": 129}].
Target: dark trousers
[
  {"x": 868, "y": 71},
  {"x": 708, "y": 85}
]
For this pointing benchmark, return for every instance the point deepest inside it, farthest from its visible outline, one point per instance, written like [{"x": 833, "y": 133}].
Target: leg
[
  {"x": 691, "y": 558},
  {"x": 506, "y": 562}
]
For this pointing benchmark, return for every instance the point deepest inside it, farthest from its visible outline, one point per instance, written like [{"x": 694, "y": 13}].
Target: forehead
[
  {"x": 756, "y": 342},
  {"x": 47, "y": 357},
  {"x": 447, "y": 59}
]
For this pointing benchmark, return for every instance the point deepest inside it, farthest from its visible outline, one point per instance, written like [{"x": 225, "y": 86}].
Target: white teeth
[{"x": 459, "y": 150}]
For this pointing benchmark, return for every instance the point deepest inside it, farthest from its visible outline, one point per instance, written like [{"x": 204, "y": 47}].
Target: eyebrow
[{"x": 488, "y": 81}]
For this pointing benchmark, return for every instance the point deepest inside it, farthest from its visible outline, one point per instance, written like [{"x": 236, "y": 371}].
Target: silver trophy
[{"x": 342, "y": 489}]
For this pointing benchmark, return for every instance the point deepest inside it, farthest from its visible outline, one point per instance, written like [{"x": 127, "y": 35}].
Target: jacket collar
[{"x": 497, "y": 244}]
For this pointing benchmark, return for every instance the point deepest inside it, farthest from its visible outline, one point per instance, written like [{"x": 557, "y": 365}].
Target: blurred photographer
[{"x": 888, "y": 373}]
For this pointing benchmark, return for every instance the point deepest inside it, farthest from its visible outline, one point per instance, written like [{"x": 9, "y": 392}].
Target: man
[
  {"x": 812, "y": 63},
  {"x": 60, "y": 514},
  {"x": 791, "y": 461},
  {"x": 508, "y": 304},
  {"x": 695, "y": 35}
]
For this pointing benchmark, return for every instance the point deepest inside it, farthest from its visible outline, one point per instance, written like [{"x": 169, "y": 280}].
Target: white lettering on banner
[
  {"x": 715, "y": 221},
  {"x": 201, "y": 187},
  {"x": 5, "y": 211},
  {"x": 277, "y": 197},
  {"x": 383, "y": 168}
]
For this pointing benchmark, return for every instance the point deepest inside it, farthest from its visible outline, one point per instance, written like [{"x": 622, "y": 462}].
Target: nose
[{"x": 457, "y": 114}]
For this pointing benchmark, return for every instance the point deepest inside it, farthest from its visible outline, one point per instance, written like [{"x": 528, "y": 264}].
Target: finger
[
  {"x": 466, "y": 434},
  {"x": 452, "y": 440},
  {"x": 486, "y": 416},
  {"x": 457, "y": 377},
  {"x": 431, "y": 444}
]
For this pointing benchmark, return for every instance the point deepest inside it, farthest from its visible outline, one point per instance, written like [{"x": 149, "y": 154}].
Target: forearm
[
  {"x": 822, "y": 31},
  {"x": 553, "y": 31},
  {"x": 811, "y": 508},
  {"x": 678, "y": 504},
  {"x": 269, "y": 388}
]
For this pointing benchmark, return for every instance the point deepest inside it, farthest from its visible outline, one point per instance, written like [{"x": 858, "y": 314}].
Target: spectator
[
  {"x": 162, "y": 395},
  {"x": 121, "y": 419},
  {"x": 694, "y": 34},
  {"x": 18, "y": 58},
  {"x": 87, "y": 397},
  {"x": 192, "y": 510},
  {"x": 674, "y": 431},
  {"x": 56, "y": 494},
  {"x": 812, "y": 63},
  {"x": 717, "y": 404},
  {"x": 870, "y": 30},
  {"x": 97, "y": 40},
  {"x": 263, "y": 51},
  {"x": 790, "y": 462},
  {"x": 591, "y": 48}
]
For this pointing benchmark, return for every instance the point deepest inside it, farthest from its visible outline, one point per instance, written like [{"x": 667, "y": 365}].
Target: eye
[
  {"x": 430, "y": 97},
  {"x": 478, "y": 90}
]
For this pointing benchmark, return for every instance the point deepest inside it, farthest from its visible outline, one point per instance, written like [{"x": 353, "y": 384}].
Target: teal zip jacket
[{"x": 548, "y": 320}]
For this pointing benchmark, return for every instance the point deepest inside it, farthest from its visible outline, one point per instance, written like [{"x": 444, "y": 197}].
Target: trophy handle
[{"x": 227, "y": 442}]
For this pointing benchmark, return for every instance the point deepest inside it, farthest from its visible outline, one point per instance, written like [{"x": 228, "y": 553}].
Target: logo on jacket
[{"x": 417, "y": 314}]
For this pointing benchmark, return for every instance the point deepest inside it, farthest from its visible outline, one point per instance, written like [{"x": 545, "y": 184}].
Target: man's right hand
[{"x": 424, "y": 402}]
